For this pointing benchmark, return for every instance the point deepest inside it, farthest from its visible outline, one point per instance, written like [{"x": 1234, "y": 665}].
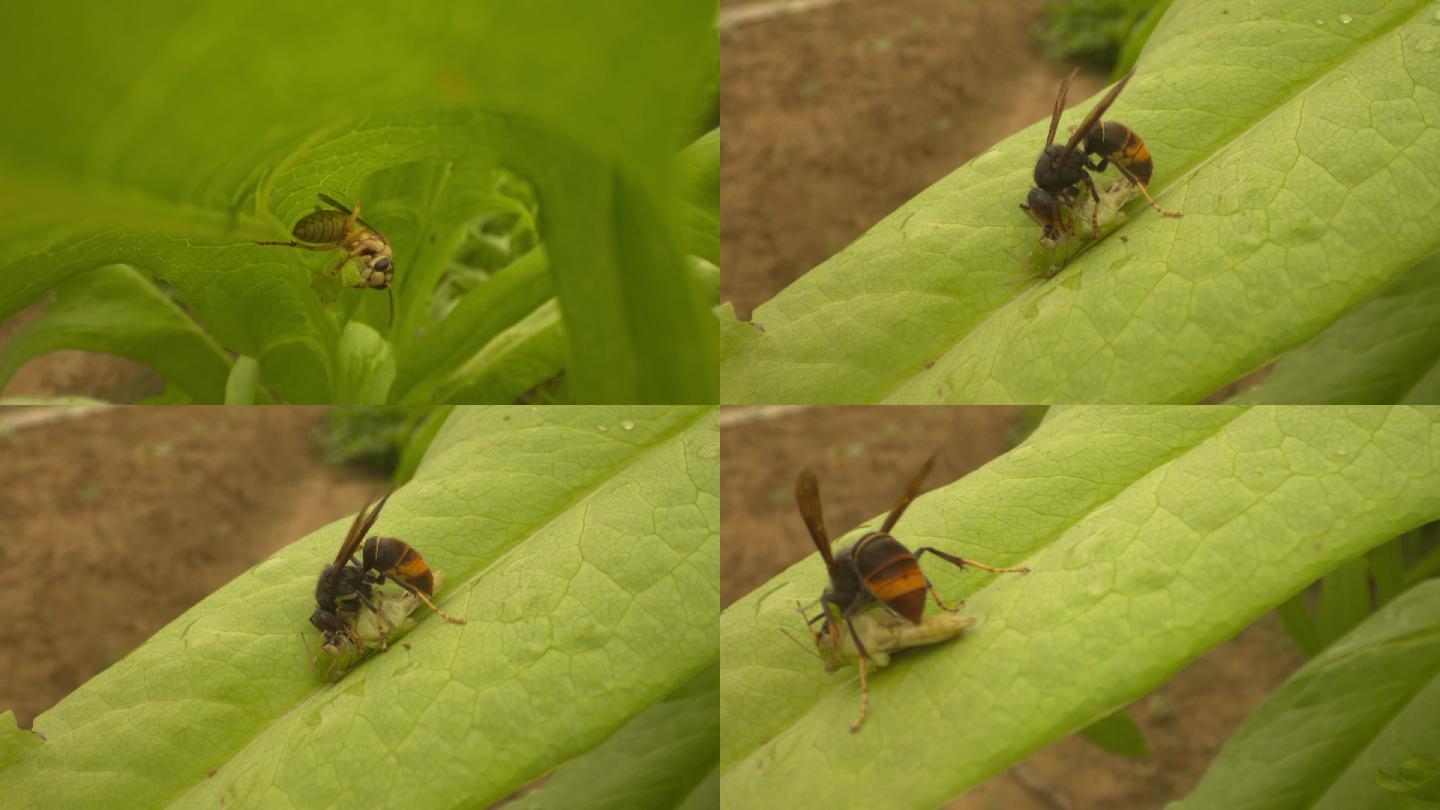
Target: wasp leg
[
  {"x": 299, "y": 245},
  {"x": 380, "y": 621},
  {"x": 864, "y": 654},
  {"x": 961, "y": 562},
  {"x": 1094, "y": 211},
  {"x": 333, "y": 675},
  {"x": 936, "y": 596},
  {"x": 314, "y": 659},
  {"x": 423, "y": 598},
  {"x": 1132, "y": 178},
  {"x": 354, "y": 215}
]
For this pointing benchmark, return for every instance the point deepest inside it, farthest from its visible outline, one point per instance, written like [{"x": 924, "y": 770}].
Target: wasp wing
[
  {"x": 1079, "y": 134},
  {"x": 807, "y": 496},
  {"x": 908, "y": 496},
  {"x": 359, "y": 529},
  {"x": 1059, "y": 107}
]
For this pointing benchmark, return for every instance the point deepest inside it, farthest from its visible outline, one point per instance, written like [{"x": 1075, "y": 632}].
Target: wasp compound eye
[{"x": 383, "y": 265}]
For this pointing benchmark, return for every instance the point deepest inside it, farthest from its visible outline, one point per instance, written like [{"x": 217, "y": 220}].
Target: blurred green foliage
[
  {"x": 525, "y": 166},
  {"x": 372, "y": 436},
  {"x": 1089, "y": 30}
]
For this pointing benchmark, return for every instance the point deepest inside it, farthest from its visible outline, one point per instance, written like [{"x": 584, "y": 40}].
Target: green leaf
[
  {"x": 515, "y": 361},
  {"x": 1344, "y": 600},
  {"x": 1387, "y": 569},
  {"x": 1118, "y": 734},
  {"x": 658, "y": 759},
  {"x": 367, "y": 366},
  {"x": 1417, "y": 778},
  {"x": 68, "y": 402},
  {"x": 1153, "y": 535},
  {"x": 1363, "y": 707},
  {"x": 115, "y": 310},
  {"x": 174, "y": 148},
  {"x": 15, "y": 743},
  {"x": 581, "y": 546},
  {"x": 1385, "y": 350},
  {"x": 481, "y": 318},
  {"x": 240, "y": 385},
  {"x": 419, "y": 443},
  {"x": 1304, "y": 628},
  {"x": 1301, "y": 141},
  {"x": 700, "y": 189},
  {"x": 1139, "y": 36}
]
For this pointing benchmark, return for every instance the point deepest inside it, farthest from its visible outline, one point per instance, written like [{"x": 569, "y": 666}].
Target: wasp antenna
[{"x": 800, "y": 644}]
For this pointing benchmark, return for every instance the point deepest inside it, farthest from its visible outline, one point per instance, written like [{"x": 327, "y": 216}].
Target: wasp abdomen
[
  {"x": 1120, "y": 144},
  {"x": 321, "y": 226},
  {"x": 396, "y": 559},
  {"x": 892, "y": 574}
]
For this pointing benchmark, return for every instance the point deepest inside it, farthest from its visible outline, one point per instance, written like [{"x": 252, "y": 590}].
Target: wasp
[
  {"x": 347, "y": 586},
  {"x": 877, "y": 569},
  {"x": 335, "y": 230},
  {"x": 883, "y": 633},
  {"x": 1062, "y": 169}
]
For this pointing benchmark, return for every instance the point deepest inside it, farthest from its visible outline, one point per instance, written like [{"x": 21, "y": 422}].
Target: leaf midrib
[
  {"x": 1300, "y": 89},
  {"x": 467, "y": 584},
  {"x": 1039, "y": 547}
]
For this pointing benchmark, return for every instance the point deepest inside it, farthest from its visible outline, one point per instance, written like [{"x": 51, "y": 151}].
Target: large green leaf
[
  {"x": 582, "y": 547},
  {"x": 171, "y": 148},
  {"x": 489, "y": 315},
  {"x": 1301, "y": 141},
  {"x": 662, "y": 756},
  {"x": 1385, "y": 350},
  {"x": 116, "y": 310},
  {"x": 1153, "y": 534},
  {"x": 700, "y": 177},
  {"x": 1364, "y": 707}
]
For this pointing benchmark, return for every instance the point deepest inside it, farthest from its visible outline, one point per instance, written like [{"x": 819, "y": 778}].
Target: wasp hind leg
[
  {"x": 961, "y": 562},
  {"x": 863, "y": 654},
  {"x": 1166, "y": 212},
  {"x": 936, "y": 596},
  {"x": 442, "y": 614}
]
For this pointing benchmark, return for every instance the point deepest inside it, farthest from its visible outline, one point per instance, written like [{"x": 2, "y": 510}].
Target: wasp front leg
[
  {"x": 380, "y": 621},
  {"x": 340, "y": 265},
  {"x": 855, "y": 607},
  {"x": 1095, "y": 210}
]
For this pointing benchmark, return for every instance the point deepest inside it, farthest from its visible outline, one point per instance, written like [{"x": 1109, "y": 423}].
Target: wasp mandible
[{"x": 335, "y": 230}]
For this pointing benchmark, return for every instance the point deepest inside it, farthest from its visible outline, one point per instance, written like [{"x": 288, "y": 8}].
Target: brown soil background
[
  {"x": 836, "y": 115},
  {"x": 76, "y": 374},
  {"x": 118, "y": 519},
  {"x": 863, "y": 457}
]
